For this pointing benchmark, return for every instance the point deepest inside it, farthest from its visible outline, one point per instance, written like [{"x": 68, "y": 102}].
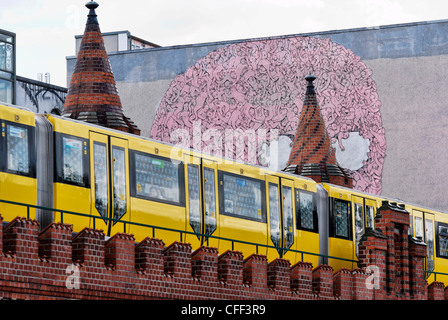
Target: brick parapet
[{"x": 54, "y": 264}]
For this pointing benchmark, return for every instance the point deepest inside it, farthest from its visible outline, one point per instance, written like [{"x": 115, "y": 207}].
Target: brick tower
[
  {"x": 92, "y": 94},
  {"x": 312, "y": 154}
]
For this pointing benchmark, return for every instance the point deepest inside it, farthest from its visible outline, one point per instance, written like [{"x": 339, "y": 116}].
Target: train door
[
  {"x": 341, "y": 238},
  {"x": 110, "y": 182},
  {"x": 364, "y": 217},
  {"x": 281, "y": 229},
  {"x": 201, "y": 201},
  {"x": 424, "y": 230}
]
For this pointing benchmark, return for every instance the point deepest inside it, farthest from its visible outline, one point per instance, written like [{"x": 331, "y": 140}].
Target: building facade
[
  {"x": 381, "y": 91},
  {"x": 37, "y": 95}
]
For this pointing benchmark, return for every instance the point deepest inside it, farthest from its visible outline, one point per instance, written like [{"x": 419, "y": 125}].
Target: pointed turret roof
[
  {"x": 92, "y": 94},
  {"x": 312, "y": 154}
]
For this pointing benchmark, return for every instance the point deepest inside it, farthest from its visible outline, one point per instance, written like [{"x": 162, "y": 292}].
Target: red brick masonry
[{"x": 54, "y": 264}]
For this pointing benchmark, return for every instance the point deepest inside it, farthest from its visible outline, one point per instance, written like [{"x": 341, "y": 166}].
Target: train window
[
  {"x": 341, "y": 219},
  {"x": 274, "y": 214},
  {"x": 242, "y": 197},
  {"x": 429, "y": 244},
  {"x": 100, "y": 177},
  {"x": 442, "y": 240},
  {"x": 209, "y": 200},
  {"x": 288, "y": 216},
  {"x": 370, "y": 218},
  {"x": 194, "y": 198},
  {"x": 419, "y": 228},
  {"x": 156, "y": 178},
  {"x": 119, "y": 181},
  {"x": 306, "y": 211},
  {"x": 359, "y": 228},
  {"x": 72, "y": 160},
  {"x": 17, "y": 149}
]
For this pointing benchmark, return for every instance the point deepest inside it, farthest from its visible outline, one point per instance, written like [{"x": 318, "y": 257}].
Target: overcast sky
[{"x": 45, "y": 29}]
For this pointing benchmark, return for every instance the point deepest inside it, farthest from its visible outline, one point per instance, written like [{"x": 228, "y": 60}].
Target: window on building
[
  {"x": 6, "y": 93},
  {"x": 7, "y": 66}
]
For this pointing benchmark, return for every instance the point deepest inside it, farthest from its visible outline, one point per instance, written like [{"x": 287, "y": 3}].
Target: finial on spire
[
  {"x": 310, "y": 78},
  {"x": 92, "y": 5},
  {"x": 310, "y": 86}
]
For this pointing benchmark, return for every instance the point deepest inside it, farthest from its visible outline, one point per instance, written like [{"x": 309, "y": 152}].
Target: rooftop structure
[
  {"x": 312, "y": 154},
  {"x": 92, "y": 94}
]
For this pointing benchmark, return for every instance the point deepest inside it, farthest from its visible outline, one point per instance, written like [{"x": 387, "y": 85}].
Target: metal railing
[
  {"x": 281, "y": 250},
  {"x": 430, "y": 273}
]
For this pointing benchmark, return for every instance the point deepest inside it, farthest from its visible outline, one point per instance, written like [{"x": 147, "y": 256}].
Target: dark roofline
[
  {"x": 309, "y": 34},
  {"x": 41, "y": 83}
]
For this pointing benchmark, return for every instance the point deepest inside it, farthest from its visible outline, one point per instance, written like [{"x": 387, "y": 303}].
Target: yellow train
[{"x": 110, "y": 177}]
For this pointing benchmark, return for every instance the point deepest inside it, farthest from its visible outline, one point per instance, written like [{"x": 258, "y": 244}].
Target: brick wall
[{"x": 56, "y": 264}]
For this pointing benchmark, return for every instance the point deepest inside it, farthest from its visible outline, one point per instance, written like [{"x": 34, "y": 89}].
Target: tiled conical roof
[
  {"x": 312, "y": 154},
  {"x": 92, "y": 94}
]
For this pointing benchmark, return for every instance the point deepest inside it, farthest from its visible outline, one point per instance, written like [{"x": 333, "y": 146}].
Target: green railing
[
  {"x": 182, "y": 233},
  {"x": 430, "y": 273}
]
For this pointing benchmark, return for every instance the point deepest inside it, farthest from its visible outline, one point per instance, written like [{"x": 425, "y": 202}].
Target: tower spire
[
  {"x": 92, "y": 94},
  {"x": 312, "y": 154}
]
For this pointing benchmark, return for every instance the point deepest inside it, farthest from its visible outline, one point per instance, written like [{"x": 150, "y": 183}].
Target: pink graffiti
[{"x": 260, "y": 85}]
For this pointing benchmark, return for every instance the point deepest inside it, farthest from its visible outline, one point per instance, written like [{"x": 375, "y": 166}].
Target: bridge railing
[
  {"x": 63, "y": 215},
  {"x": 182, "y": 234}
]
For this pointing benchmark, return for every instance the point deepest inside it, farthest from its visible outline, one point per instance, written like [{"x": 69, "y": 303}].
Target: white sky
[{"x": 45, "y": 29}]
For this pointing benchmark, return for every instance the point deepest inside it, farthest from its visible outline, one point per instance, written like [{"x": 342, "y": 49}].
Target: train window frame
[
  {"x": 101, "y": 178},
  {"x": 288, "y": 218},
  {"x": 119, "y": 181},
  {"x": 274, "y": 217},
  {"x": 194, "y": 211},
  {"x": 438, "y": 235},
  {"x": 333, "y": 218},
  {"x": 31, "y": 144},
  {"x": 263, "y": 215},
  {"x": 298, "y": 196},
  {"x": 210, "y": 200},
  {"x": 133, "y": 178},
  {"x": 59, "y": 156}
]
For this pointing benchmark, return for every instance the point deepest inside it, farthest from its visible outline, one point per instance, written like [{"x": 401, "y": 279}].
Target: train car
[
  {"x": 431, "y": 227},
  {"x": 352, "y": 212},
  {"x": 111, "y": 177},
  {"x": 122, "y": 177},
  {"x": 18, "y": 181}
]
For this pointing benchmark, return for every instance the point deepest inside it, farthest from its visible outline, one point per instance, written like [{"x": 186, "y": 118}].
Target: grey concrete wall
[{"x": 414, "y": 111}]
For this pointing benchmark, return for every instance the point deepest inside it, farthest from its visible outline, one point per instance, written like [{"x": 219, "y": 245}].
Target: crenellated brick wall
[{"x": 57, "y": 264}]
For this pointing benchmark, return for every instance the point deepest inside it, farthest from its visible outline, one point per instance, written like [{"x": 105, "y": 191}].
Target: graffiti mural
[{"x": 258, "y": 86}]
